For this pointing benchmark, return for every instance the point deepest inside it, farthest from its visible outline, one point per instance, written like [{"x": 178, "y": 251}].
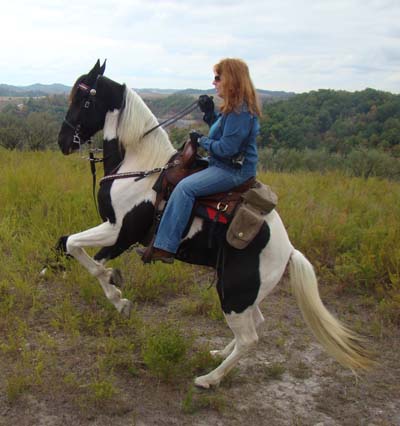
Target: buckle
[{"x": 222, "y": 207}]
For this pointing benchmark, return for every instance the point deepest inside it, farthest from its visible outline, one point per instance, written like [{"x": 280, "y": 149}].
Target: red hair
[{"x": 236, "y": 86}]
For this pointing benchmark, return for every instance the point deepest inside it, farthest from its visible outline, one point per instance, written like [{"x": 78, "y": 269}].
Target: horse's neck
[
  {"x": 143, "y": 152},
  {"x": 112, "y": 156}
]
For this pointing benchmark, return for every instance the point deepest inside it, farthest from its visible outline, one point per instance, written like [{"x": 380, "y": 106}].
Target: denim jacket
[{"x": 227, "y": 138}]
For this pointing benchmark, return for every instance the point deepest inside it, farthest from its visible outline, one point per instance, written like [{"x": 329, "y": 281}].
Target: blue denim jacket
[{"x": 227, "y": 137}]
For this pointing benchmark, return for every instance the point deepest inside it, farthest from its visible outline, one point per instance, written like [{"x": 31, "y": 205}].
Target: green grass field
[{"x": 348, "y": 228}]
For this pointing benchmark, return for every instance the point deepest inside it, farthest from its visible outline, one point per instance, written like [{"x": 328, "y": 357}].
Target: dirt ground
[{"x": 288, "y": 380}]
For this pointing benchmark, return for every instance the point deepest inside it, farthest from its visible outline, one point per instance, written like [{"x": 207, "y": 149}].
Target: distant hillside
[
  {"x": 33, "y": 90},
  {"x": 36, "y": 90},
  {"x": 153, "y": 91},
  {"x": 337, "y": 121},
  {"x": 264, "y": 94}
]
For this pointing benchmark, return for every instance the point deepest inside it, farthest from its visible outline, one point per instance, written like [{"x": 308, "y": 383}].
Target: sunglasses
[{"x": 217, "y": 78}]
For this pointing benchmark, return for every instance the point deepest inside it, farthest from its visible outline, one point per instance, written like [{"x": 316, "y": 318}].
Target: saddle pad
[{"x": 210, "y": 214}]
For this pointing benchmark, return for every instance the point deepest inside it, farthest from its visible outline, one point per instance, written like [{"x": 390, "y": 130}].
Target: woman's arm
[{"x": 235, "y": 131}]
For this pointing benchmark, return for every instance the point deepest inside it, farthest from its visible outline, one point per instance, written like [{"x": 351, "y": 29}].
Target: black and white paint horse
[{"x": 127, "y": 207}]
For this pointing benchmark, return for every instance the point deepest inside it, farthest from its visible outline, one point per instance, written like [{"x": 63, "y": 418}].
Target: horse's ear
[
  {"x": 103, "y": 67},
  {"x": 95, "y": 71}
]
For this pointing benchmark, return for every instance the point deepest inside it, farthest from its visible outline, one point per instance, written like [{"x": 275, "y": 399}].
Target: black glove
[
  {"x": 195, "y": 136},
  {"x": 206, "y": 103}
]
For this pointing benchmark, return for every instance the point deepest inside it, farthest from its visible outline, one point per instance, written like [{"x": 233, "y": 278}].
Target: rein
[
  {"x": 144, "y": 173},
  {"x": 141, "y": 174},
  {"x": 175, "y": 118}
]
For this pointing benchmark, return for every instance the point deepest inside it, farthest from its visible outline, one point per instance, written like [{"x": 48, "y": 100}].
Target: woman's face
[{"x": 217, "y": 84}]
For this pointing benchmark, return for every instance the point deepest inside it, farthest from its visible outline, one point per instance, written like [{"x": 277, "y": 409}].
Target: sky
[{"x": 289, "y": 45}]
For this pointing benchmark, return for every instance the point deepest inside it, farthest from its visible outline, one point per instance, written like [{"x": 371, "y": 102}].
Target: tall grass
[{"x": 348, "y": 228}]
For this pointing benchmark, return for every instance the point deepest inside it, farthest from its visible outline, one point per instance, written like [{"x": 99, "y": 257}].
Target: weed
[
  {"x": 16, "y": 385},
  {"x": 301, "y": 371},
  {"x": 202, "y": 361},
  {"x": 102, "y": 390},
  {"x": 204, "y": 302},
  {"x": 195, "y": 400},
  {"x": 164, "y": 351},
  {"x": 280, "y": 342},
  {"x": 274, "y": 371}
]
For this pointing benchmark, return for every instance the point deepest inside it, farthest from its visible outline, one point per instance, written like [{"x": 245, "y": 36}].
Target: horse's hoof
[
  {"x": 116, "y": 278},
  {"x": 126, "y": 308},
  {"x": 204, "y": 382},
  {"x": 201, "y": 383}
]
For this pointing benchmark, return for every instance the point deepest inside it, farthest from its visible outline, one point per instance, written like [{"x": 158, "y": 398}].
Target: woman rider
[{"x": 232, "y": 131}]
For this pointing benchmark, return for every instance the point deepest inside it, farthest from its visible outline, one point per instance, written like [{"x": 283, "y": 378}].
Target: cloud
[{"x": 289, "y": 45}]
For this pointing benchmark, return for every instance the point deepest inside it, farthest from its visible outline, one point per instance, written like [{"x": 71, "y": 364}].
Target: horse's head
[{"x": 86, "y": 112}]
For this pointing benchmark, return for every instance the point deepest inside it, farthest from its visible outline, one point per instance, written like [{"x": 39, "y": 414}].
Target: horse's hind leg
[
  {"x": 244, "y": 330},
  {"x": 103, "y": 235},
  {"x": 258, "y": 319},
  {"x": 226, "y": 351}
]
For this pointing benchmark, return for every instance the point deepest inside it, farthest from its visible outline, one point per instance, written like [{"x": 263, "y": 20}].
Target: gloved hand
[
  {"x": 195, "y": 136},
  {"x": 206, "y": 103}
]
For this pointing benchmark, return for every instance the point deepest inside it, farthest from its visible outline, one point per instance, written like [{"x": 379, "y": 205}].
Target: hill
[
  {"x": 33, "y": 90},
  {"x": 37, "y": 90},
  {"x": 337, "y": 121},
  {"x": 272, "y": 94}
]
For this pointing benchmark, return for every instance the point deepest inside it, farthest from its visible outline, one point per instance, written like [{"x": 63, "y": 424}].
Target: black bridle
[{"x": 86, "y": 103}]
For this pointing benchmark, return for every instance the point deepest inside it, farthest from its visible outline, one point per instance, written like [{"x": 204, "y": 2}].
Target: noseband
[{"x": 85, "y": 105}]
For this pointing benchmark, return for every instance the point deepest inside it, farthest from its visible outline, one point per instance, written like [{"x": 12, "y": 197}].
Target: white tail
[{"x": 338, "y": 340}]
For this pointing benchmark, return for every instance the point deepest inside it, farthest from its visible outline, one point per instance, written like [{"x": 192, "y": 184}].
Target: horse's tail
[{"x": 338, "y": 340}]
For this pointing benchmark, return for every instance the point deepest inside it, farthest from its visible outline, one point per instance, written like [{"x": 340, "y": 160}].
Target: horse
[{"x": 126, "y": 207}]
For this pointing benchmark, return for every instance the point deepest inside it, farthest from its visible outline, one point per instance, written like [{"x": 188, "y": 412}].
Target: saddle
[
  {"x": 221, "y": 204},
  {"x": 218, "y": 207}
]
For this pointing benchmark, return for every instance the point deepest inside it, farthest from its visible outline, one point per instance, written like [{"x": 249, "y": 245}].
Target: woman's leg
[{"x": 179, "y": 207}]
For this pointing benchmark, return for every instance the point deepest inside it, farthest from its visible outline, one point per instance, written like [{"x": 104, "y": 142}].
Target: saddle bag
[
  {"x": 249, "y": 217},
  {"x": 261, "y": 197}
]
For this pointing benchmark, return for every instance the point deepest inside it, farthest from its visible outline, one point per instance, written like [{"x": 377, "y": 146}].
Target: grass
[
  {"x": 164, "y": 351},
  {"x": 348, "y": 228},
  {"x": 60, "y": 331},
  {"x": 274, "y": 371},
  {"x": 195, "y": 401}
]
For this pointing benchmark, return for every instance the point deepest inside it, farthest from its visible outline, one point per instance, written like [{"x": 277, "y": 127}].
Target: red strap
[{"x": 212, "y": 213}]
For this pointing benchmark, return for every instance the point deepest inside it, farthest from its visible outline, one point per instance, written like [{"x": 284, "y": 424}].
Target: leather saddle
[
  {"x": 223, "y": 204},
  {"x": 218, "y": 207}
]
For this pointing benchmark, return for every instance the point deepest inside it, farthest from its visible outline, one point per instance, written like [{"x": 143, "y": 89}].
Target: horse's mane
[{"x": 135, "y": 119}]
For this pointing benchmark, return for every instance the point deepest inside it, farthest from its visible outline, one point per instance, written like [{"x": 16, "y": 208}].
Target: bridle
[{"x": 86, "y": 103}]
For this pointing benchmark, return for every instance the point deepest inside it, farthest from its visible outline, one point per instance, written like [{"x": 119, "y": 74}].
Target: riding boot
[{"x": 152, "y": 254}]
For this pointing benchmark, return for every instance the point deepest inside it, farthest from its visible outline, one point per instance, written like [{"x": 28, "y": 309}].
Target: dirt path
[{"x": 286, "y": 381}]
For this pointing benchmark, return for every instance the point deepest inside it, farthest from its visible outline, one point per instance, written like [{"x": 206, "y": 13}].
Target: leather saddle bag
[{"x": 249, "y": 217}]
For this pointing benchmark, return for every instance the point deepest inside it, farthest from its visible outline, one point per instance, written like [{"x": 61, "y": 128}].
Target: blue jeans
[{"x": 179, "y": 207}]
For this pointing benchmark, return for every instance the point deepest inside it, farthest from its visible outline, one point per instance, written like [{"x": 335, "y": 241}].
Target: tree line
[
  {"x": 319, "y": 130},
  {"x": 324, "y": 130},
  {"x": 336, "y": 121},
  {"x": 33, "y": 124}
]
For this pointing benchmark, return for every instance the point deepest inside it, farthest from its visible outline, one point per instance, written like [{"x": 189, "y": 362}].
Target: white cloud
[{"x": 289, "y": 45}]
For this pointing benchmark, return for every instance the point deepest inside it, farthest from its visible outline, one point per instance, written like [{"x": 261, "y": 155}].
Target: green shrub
[{"x": 164, "y": 351}]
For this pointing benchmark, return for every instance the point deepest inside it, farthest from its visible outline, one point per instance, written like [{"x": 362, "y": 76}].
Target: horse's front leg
[{"x": 103, "y": 235}]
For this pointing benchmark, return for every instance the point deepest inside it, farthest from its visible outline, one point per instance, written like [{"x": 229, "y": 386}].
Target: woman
[{"x": 231, "y": 144}]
